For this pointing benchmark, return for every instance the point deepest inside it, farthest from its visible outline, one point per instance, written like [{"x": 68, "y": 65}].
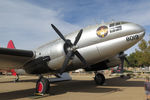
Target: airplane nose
[
  {"x": 137, "y": 28},
  {"x": 140, "y": 30},
  {"x": 132, "y": 28}
]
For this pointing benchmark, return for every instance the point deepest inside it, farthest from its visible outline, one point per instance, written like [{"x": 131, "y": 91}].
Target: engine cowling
[{"x": 37, "y": 66}]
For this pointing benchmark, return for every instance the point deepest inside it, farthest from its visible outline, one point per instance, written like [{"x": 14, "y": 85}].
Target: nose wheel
[
  {"x": 42, "y": 86},
  {"x": 99, "y": 79}
]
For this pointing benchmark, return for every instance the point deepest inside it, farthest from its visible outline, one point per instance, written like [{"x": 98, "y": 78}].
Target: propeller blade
[
  {"x": 68, "y": 56},
  {"x": 81, "y": 58},
  {"x": 78, "y": 37},
  {"x": 70, "y": 45},
  {"x": 58, "y": 32}
]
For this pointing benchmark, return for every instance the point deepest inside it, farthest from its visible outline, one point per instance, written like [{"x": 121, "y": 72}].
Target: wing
[{"x": 14, "y": 58}]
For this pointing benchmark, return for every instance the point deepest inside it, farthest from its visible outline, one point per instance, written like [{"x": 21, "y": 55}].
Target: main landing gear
[
  {"x": 42, "y": 86},
  {"x": 99, "y": 78}
]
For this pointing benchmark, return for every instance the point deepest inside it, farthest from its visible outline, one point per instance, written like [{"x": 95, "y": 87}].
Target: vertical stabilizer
[
  {"x": 11, "y": 45},
  {"x": 13, "y": 72}
]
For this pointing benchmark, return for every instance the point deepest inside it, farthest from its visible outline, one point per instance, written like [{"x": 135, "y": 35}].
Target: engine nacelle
[
  {"x": 37, "y": 66},
  {"x": 55, "y": 52}
]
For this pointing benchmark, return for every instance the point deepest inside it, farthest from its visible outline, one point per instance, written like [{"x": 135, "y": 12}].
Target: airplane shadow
[
  {"x": 29, "y": 80},
  {"x": 76, "y": 86},
  {"x": 79, "y": 86},
  {"x": 16, "y": 94},
  {"x": 91, "y": 87},
  {"x": 123, "y": 82}
]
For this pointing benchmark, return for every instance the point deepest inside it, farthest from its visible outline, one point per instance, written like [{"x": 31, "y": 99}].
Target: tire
[
  {"x": 122, "y": 76},
  {"x": 99, "y": 79},
  {"x": 42, "y": 86}
]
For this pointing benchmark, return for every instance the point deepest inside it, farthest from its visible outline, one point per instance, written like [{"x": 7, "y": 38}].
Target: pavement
[{"x": 82, "y": 87}]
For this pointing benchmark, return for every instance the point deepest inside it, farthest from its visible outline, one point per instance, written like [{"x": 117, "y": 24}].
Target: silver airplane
[{"x": 93, "y": 48}]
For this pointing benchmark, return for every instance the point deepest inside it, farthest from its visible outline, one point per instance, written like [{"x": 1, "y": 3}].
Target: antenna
[
  {"x": 102, "y": 22},
  {"x": 95, "y": 21},
  {"x": 112, "y": 20}
]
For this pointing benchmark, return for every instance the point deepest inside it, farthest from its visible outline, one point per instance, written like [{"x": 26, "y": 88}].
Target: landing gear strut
[
  {"x": 17, "y": 78},
  {"x": 99, "y": 78},
  {"x": 42, "y": 86}
]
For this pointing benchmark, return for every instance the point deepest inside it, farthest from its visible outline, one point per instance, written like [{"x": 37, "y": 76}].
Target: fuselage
[{"x": 97, "y": 43}]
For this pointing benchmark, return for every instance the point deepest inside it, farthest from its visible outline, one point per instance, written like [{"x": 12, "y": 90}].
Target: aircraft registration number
[{"x": 133, "y": 37}]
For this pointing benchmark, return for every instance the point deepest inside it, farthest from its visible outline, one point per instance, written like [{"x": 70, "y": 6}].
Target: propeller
[
  {"x": 70, "y": 48},
  {"x": 123, "y": 58}
]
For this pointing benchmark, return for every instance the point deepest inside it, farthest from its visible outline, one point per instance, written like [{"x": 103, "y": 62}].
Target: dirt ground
[{"x": 82, "y": 87}]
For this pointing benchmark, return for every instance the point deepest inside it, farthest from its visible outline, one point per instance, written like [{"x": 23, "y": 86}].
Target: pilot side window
[
  {"x": 111, "y": 25},
  {"x": 118, "y": 23},
  {"x": 114, "y": 24}
]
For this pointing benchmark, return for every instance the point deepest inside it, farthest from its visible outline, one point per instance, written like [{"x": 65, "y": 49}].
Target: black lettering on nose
[{"x": 133, "y": 37}]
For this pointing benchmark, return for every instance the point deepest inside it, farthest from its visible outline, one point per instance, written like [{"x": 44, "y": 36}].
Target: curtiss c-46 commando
[{"x": 93, "y": 48}]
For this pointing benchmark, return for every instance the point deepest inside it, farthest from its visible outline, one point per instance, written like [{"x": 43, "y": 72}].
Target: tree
[
  {"x": 144, "y": 58},
  {"x": 149, "y": 45},
  {"x": 142, "y": 45},
  {"x": 132, "y": 59},
  {"x": 140, "y": 57}
]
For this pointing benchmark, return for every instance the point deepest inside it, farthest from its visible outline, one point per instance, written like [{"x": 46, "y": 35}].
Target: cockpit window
[
  {"x": 123, "y": 22},
  {"x": 111, "y": 25},
  {"x": 118, "y": 23},
  {"x": 115, "y": 24},
  {"x": 114, "y": 27}
]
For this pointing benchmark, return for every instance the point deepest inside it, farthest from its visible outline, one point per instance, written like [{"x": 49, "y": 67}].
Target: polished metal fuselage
[{"x": 92, "y": 47}]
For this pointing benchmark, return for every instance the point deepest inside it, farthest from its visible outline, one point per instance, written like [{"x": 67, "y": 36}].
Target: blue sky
[{"x": 27, "y": 22}]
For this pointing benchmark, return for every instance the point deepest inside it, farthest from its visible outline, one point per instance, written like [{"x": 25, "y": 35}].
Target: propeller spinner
[{"x": 71, "y": 49}]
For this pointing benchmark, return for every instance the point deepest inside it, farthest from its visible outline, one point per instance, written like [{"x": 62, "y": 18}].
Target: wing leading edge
[{"x": 14, "y": 58}]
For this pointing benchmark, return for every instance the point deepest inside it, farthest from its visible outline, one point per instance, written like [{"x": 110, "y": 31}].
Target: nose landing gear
[{"x": 99, "y": 78}]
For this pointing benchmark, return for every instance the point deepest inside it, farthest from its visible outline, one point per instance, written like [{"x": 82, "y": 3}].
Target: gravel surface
[{"x": 82, "y": 87}]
